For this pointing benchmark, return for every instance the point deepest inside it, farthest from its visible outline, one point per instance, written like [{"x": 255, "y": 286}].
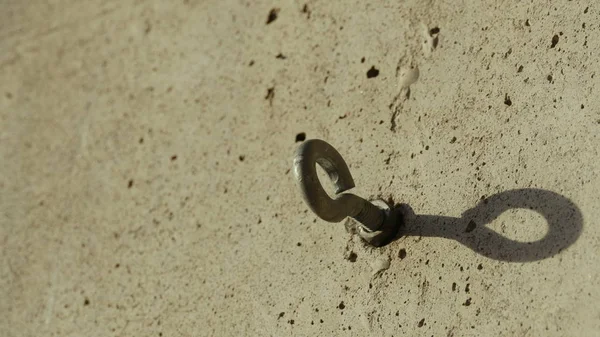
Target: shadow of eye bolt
[{"x": 563, "y": 217}]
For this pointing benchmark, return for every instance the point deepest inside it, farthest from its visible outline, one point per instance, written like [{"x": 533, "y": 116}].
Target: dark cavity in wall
[
  {"x": 554, "y": 41},
  {"x": 373, "y": 72},
  {"x": 272, "y": 15},
  {"x": 352, "y": 257},
  {"x": 470, "y": 227},
  {"x": 270, "y": 95},
  {"x": 300, "y": 137},
  {"x": 306, "y": 11}
]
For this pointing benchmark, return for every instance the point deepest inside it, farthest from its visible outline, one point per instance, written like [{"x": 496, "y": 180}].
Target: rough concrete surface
[{"x": 146, "y": 150}]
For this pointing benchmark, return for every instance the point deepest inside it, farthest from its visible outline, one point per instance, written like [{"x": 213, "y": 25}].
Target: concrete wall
[{"x": 146, "y": 150}]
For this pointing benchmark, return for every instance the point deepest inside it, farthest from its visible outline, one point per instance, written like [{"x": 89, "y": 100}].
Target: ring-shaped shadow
[{"x": 564, "y": 219}]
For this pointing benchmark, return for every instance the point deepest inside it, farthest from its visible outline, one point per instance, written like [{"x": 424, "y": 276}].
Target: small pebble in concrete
[{"x": 380, "y": 265}]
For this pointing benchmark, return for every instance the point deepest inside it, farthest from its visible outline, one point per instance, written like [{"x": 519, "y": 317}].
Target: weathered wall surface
[{"x": 146, "y": 152}]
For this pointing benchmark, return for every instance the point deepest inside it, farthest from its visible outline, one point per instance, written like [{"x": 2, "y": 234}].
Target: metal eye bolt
[{"x": 378, "y": 220}]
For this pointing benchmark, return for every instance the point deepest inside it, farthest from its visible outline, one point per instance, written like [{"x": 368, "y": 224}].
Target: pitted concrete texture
[{"x": 146, "y": 151}]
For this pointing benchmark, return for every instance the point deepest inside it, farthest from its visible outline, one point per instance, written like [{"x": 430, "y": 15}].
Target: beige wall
[{"x": 145, "y": 168}]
